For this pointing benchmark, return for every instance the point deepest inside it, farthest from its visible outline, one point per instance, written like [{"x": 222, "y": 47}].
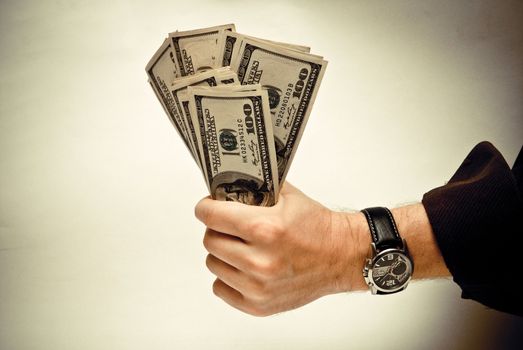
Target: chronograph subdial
[{"x": 390, "y": 270}]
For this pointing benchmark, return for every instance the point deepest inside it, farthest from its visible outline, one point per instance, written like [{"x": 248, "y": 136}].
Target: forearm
[
  {"x": 414, "y": 227},
  {"x": 355, "y": 241}
]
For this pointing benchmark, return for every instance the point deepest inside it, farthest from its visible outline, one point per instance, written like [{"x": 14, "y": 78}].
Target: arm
[
  {"x": 269, "y": 260},
  {"x": 274, "y": 259},
  {"x": 476, "y": 218}
]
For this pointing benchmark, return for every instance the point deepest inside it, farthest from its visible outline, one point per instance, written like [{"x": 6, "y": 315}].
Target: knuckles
[
  {"x": 258, "y": 290},
  {"x": 257, "y": 310},
  {"x": 258, "y": 299},
  {"x": 266, "y": 230},
  {"x": 267, "y": 268}
]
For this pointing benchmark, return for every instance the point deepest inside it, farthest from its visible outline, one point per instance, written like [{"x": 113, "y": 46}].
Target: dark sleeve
[{"x": 477, "y": 218}]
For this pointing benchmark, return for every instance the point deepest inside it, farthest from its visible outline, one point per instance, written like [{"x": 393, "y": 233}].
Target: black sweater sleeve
[{"x": 477, "y": 218}]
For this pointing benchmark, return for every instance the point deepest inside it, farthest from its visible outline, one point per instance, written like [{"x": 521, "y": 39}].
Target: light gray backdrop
[{"x": 99, "y": 248}]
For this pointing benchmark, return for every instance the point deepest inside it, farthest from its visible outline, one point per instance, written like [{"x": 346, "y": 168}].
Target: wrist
[
  {"x": 414, "y": 226},
  {"x": 352, "y": 232}
]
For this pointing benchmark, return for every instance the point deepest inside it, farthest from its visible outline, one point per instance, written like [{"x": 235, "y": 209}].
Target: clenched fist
[{"x": 272, "y": 259}]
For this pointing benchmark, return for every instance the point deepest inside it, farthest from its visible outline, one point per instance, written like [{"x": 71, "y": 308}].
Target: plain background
[{"x": 99, "y": 248}]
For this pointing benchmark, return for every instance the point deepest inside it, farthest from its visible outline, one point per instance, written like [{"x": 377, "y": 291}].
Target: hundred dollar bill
[
  {"x": 229, "y": 45},
  {"x": 236, "y": 143},
  {"x": 213, "y": 77},
  {"x": 162, "y": 73},
  {"x": 196, "y": 50},
  {"x": 292, "y": 80},
  {"x": 184, "y": 101}
]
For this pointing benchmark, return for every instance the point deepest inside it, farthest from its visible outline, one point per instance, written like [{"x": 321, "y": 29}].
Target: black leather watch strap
[{"x": 383, "y": 228}]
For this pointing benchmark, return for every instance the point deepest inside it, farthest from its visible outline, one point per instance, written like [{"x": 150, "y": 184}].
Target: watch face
[{"x": 391, "y": 270}]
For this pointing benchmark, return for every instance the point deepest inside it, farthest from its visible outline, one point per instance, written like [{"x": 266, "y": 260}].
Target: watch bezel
[{"x": 368, "y": 270}]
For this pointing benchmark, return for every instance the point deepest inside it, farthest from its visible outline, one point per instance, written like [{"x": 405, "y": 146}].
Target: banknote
[
  {"x": 196, "y": 50},
  {"x": 292, "y": 80},
  {"x": 229, "y": 44},
  {"x": 236, "y": 143},
  {"x": 162, "y": 73},
  {"x": 240, "y": 105},
  {"x": 184, "y": 102},
  {"x": 213, "y": 77}
]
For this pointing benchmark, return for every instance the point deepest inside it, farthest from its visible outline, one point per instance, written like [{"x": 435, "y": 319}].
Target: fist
[{"x": 272, "y": 259}]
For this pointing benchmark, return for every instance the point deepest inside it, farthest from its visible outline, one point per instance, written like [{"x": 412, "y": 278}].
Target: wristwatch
[{"x": 389, "y": 268}]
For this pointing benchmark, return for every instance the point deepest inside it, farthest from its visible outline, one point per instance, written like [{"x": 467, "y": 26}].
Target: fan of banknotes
[{"x": 239, "y": 103}]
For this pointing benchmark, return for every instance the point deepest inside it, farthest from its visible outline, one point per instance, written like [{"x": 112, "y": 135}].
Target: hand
[{"x": 273, "y": 259}]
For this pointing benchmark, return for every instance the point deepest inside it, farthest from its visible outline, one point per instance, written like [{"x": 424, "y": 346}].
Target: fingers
[
  {"x": 241, "y": 240},
  {"x": 230, "y": 295},
  {"x": 233, "y": 277},
  {"x": 234, "y": 298},
  {"x": 219, "y": 215},
  {"x": 230, "y": 217},
  {"x": 225, "y": 247}
]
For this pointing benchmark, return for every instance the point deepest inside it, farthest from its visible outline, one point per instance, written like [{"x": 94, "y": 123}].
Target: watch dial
[{"x": 391, "y": 271}]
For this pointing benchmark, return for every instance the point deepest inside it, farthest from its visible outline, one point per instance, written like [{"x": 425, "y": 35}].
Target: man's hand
[{"x": 272, "y": 259}]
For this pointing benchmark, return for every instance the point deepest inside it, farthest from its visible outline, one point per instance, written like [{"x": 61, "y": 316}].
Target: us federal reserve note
[
  {"x": 213, "y": 77},
  {"x": 163, "y": 64},
  {"x": 162, "y": 73},
  {"x": 292, "y": 80},
  {"x": 184, "y": 101},
  {"x": 229, "y": 45},
  {"x": 196, "y": 50},
  {"x": 236, "y": 143}
]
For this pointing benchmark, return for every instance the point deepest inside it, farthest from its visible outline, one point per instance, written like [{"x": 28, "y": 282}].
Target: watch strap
[{"x": 383, "y": 228}]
